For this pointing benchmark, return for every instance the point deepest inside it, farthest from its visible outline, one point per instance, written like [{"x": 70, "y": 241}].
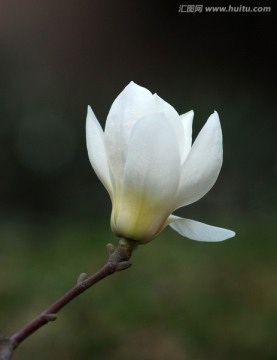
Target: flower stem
[{"x": 118, "y": 260}]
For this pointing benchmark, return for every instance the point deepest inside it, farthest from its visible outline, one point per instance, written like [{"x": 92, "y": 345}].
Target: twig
[{"x": 118, "y": 260}]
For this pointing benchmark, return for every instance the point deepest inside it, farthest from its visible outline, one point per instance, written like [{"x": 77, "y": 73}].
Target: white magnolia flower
[{"x": 146, "y": 161}]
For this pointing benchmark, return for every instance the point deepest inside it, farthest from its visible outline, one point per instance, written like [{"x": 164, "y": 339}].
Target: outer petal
[
  {"x": 150, "y": 182},
  {"x": 187, "y": 119},
  {"x": 97, "y": 151},
  {"x": 131, "y": 104},
  {"x": 173, "y": 118},
  {"x": 195, "y": 230},
  {"x": 202, "y": 166}
]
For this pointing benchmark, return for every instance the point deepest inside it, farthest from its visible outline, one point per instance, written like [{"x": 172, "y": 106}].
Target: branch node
[
  {"x": 82, "y": 277},
  {"x": 110, "y": 248},
  {"x": 51, "y": 317},
  {"x": 122, "y": 265}
]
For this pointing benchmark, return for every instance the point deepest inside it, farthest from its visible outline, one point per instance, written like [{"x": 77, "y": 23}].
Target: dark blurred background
[{"x": 181, "y": 299}]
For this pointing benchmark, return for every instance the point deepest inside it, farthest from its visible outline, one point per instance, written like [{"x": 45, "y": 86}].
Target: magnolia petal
[
  {"x": 172, "y": 117},
  {"x": 150, "y": 181},
  {"x": 202, "y": 165},
  {"x": 96, "y": 150},
  {"x": 130, "y": 105},
  {"x": 195, "y": 230},
  {"x": 187, "y": 119}
]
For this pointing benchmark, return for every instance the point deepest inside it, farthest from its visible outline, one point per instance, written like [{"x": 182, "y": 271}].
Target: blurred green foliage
[{"x": 180, "y": 299}]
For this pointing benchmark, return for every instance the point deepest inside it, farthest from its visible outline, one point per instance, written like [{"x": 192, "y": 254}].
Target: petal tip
[
  {"x": 188, "y": 115},
  {"x": 214, "y": 117},
  {"x": 132, "y": 83},
  {"x": 213, "y": 123},
  {"x": 232, "y": 234},
  {"x": 90, "y": 116},
  {"x": 191, "y": 113},
  {"x": 227, "y": 234},
  {"x": 89, "y": 109}
]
